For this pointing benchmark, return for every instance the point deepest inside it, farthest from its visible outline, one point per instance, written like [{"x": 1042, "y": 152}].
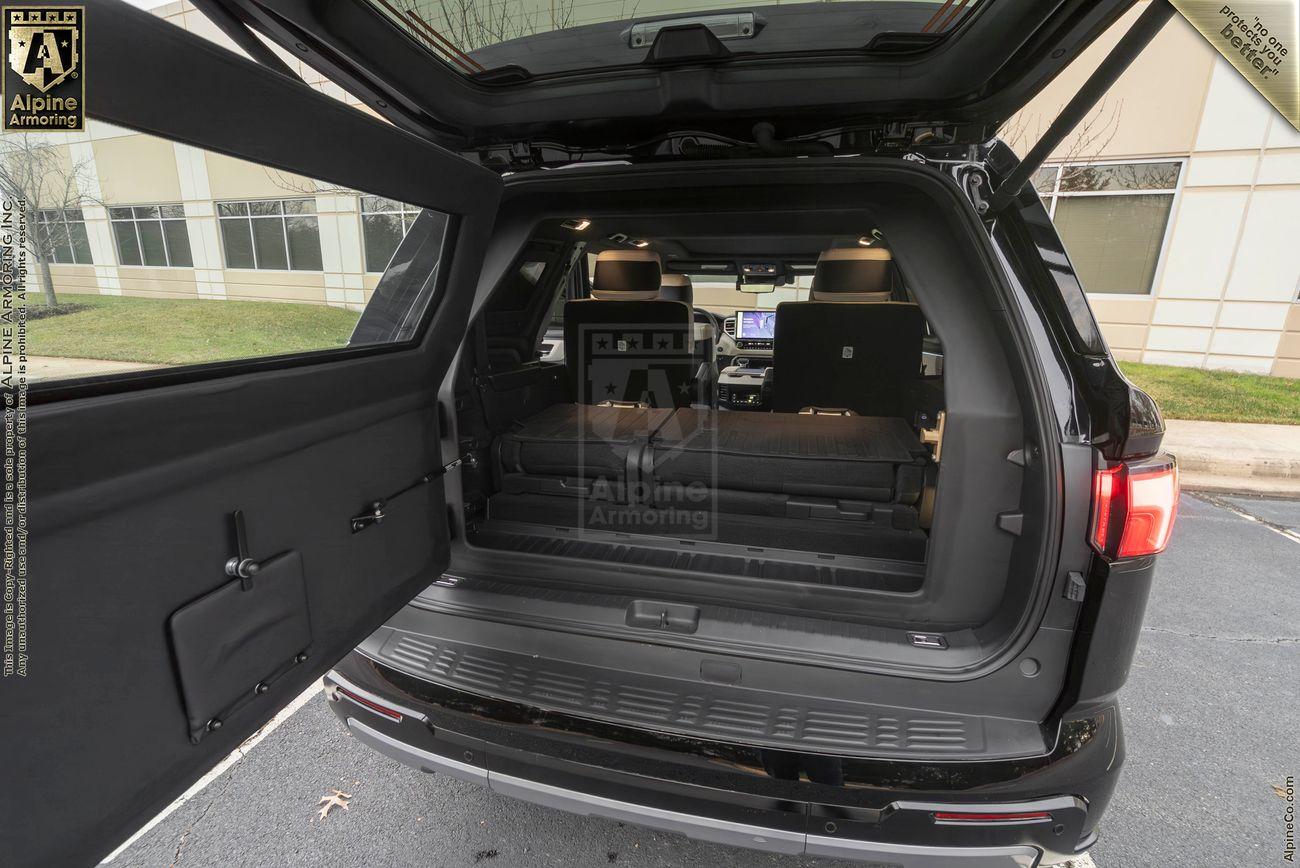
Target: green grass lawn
[
  {"x": 185, "y": 331},
  {"x": 1219, "y": 396}
]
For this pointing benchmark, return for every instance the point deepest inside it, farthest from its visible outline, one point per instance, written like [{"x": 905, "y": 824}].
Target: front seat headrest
[
  {"x": 626, "y": 275},
  {"x": 852, "y": 274},
  {"x": 676, "y": 287}
]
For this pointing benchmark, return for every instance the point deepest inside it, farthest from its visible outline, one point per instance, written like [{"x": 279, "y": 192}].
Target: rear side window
[{"x": 142, "y": 254}]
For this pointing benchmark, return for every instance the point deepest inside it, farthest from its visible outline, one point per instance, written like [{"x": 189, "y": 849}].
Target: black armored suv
[{"x": 727, "y": 448}]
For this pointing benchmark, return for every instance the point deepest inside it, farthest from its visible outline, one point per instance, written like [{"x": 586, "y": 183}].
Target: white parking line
[
  {"x": 1212, "y": 499},
  {"x": 220, "y": 768}
]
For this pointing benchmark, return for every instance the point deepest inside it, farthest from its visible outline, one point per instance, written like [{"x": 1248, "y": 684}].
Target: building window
[
  {"x": 384, "y": 223},
  {"x": 277, "y": 234},
  {"x": 1112, "y": 218},
  {"x": 64, "y": 231},
  {"x": 151, "y": 235}
]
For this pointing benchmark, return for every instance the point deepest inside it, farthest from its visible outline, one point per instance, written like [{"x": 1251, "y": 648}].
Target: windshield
[
  {"x": 721, "y": 297},
  {"x": 549, "y": 36}
]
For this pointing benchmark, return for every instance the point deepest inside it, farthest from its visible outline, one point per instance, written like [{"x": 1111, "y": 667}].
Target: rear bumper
[
  {"x": 696, "y": 826},
  {"x": 778, "y": 801}
]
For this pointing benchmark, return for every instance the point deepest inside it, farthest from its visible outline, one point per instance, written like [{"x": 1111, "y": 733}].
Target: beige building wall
[
  {"x": 122, "y": 167},
  {"x": 1153, "y": 110}
]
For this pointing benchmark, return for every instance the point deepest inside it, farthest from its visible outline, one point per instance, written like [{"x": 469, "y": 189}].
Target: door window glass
[
  {"x": 202, "y": 258},
  {"x": 473, "y": 36}
]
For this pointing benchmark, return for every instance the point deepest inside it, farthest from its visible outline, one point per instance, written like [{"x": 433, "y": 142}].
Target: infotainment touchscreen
[{"x": 755, "y": 324}]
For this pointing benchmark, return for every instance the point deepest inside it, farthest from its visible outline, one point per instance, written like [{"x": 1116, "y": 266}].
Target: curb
[
  {"x": 1273, "y": 465},
  {"x": 1236, "y": 457},
  {"x": 1193, "y": 480}
]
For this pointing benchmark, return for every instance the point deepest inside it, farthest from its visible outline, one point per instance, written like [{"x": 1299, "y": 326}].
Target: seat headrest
[
  {"x": 626, "y": 275},
  {"x": 676, "y": 287},
  {"x": 852, "y": 274}
]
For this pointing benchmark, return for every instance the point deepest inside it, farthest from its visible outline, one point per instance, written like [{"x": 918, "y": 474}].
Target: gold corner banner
[{"x": 1261, "y": 38}]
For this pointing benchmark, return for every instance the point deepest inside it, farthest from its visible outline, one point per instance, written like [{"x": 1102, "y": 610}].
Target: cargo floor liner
[
  {"x": 715, "y": 557},
  {"x": 819, "y": 536}
]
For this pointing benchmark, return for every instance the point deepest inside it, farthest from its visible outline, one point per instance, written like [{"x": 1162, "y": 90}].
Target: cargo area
[
  {"x": 767, "y": 426},
  {"x": 760, "y": 487}
]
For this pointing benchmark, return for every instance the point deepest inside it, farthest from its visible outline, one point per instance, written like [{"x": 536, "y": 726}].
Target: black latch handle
[{"x": 241, "y": 566}]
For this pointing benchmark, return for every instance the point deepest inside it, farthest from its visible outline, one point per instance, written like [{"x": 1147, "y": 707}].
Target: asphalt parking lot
[{"x": 1210, "y": 713}]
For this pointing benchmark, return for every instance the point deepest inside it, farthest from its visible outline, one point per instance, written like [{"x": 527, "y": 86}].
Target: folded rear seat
[
  {"x": 855, "y": 457},
  {"x": 844, "y": 468},
  {"x": 565, "y": 447}
]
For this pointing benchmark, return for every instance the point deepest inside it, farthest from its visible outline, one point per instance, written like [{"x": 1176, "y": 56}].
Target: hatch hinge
[
  {"x": 973, "y": 178},
  {"x": 975, "y": 181}
]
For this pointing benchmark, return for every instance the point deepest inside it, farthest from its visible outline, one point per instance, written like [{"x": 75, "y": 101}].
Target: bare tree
[
  {"x": 471, "y": 24},
  {"x": 1088, "y": 141},
  {"x": 33, "y": 173},
  {"x": 301, "y": 186}
]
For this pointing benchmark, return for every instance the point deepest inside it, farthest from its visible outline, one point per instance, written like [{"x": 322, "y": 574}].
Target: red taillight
[
  {"x": 390, "y": 713},
  {"x": 1107, "y": 483},
  {"x": 1011, "y": 817},
  {"x": 1133, "y": 507}
]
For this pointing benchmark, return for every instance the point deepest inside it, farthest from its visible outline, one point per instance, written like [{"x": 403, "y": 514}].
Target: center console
[{"x": 743, "y": 388}]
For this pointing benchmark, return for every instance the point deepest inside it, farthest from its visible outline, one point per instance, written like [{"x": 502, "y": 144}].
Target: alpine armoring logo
[
  {"x": 634, "y": 377},
  {"x": 44, "y": 82}
]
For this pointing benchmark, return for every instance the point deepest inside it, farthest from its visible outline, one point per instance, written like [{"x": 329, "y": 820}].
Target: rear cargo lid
[{"x": 603, "y": 74}]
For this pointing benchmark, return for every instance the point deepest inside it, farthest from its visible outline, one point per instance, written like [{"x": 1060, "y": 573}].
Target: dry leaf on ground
[{"x": 335, "y": 799}]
